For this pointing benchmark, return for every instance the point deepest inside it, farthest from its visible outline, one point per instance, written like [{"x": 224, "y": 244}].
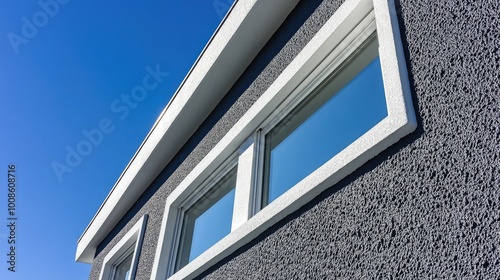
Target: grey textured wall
[{"x": 428, "y": 207}]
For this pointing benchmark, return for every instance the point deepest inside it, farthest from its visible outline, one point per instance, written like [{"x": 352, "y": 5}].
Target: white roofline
[{"x": 241, "y": 35}]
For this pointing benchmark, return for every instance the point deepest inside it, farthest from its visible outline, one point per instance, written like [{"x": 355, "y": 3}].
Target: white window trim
[
  {"x": 180, "y": 207},
  {"x": 133, "y": 238},
  {"x": 363, "y": 31},
  {"x": 301, "y": 76}
]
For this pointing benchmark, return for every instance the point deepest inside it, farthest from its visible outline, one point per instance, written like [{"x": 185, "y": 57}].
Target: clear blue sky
[{"x": 73, "y": 70}]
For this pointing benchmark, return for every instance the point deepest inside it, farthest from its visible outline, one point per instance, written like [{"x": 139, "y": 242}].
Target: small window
[
  {"x": 338, "y": 112},
  {"x": 121, "y": 262},
  {"x": 121, "y": 271},
  {"x": 208, "y": 220}
]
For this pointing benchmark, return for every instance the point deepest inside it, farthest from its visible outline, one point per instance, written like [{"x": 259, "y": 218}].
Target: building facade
[{"x": 320, "y": 139}]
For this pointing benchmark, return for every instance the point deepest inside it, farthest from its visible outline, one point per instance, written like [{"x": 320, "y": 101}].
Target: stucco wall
[{"x": 428, "y": 207}]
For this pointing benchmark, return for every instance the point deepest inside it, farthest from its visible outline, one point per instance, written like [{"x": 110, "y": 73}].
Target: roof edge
[{"x": 241, "y": 35}]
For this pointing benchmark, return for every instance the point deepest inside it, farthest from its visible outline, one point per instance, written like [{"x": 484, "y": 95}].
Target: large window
[
  {"x": 339, "y": 111},
  {"x": 341, "y": 101}
]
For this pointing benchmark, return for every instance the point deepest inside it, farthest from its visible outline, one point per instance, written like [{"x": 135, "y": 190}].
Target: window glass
[
  {"x": 122, "y": 270},
  {"x": 208, "y": 220},
  {"x": 342, "y": 109}
]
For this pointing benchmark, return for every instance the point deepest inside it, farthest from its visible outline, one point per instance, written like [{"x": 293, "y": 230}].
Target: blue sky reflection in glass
[
  {"x": 209, "y": 219},
  {"x": 304, "y": 141}
]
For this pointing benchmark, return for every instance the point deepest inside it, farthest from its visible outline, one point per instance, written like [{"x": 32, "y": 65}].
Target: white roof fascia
[{"x": 243, "y": 32}]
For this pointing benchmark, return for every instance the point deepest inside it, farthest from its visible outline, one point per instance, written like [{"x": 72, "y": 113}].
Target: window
[
  {"x": 341, "y": 101},
  {"x": 121, "y": 262},
  {"x": 121, "y": 271},
  {"x": 208, "y": 220},
  {"x": 338, "y": 112}
]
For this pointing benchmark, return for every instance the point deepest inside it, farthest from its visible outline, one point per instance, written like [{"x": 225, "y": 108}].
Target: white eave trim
[{"x": 242, "y": 34}]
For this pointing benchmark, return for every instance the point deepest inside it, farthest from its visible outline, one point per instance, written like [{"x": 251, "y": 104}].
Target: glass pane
[
  {"x": 208, "y": 220},
  {"x": 122, "y": 271},
  {"x": 341, "y": 110}
]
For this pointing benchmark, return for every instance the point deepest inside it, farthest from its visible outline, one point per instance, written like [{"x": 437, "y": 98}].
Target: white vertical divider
[{"x": 244, "y": 184}]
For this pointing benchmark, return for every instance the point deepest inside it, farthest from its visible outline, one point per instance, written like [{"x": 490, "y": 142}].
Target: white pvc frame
[
  {"x": 193, "y": 198},
  {"x": 326, "y": 51}
]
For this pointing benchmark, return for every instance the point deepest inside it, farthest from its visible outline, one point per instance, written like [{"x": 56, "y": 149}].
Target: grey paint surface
[{"x": 428, "y": 207}]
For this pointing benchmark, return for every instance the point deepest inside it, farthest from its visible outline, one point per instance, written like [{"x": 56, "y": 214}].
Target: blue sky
[{"x": 81, "y": 84}]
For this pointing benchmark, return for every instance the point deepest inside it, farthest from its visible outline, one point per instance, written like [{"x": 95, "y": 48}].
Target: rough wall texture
[{"x": 428, "y": 207}]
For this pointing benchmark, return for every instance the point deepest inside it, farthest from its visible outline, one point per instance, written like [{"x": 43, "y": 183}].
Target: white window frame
[
  {"x": 332, "y": 44},
  {"x": 132, "y": 240},
  {"x": 365, "y": 29},
  {"x": 180, "y": 207}
]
